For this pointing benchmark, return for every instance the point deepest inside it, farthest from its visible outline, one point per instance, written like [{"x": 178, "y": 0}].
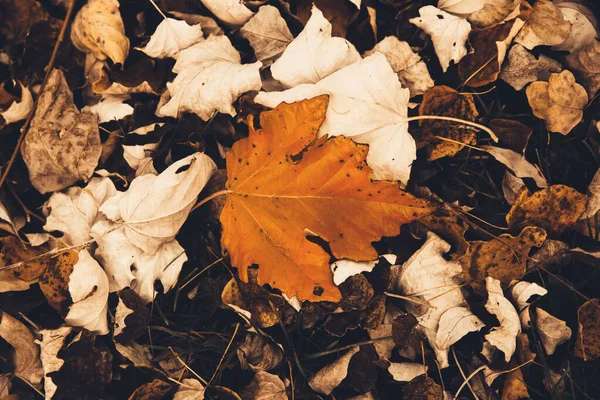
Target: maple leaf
[{"x": 280, "y": 191}]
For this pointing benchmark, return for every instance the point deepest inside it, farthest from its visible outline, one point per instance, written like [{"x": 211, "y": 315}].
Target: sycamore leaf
[
  {"x": 26, "y": 357},
  {"x": 268, "y": 34},
  {"x": 448, "y": 33},
  {"x": 409, "y": 67},
  {"x": 283, "y": 185},
  {"x": 314, "y": 54},
  {"x": 517, "y": 163},
  {"x": 52, "y": 341},
  {"x": 98, "y": 29},
  {"x": 559, "y": 102},
  {"x": 170, "y": 37},
  {"x": 428, "y": 276},
  {"x": 18, "y": 110},
  {"x": 368, "y": 104},
  {"x": 551, "y": 330},
  {"x": 523, "y": 67},
  {"x": 584, "y": 26},
  {"x": 232, "y": 13},
  {"x": 210, "y": 77},
  {"x": 62, "y": 145},
  {"x": 545, "y": 26},
  {"x": 504, "y": 337},
  {"x": 586, "y": 65},
  {"x": 467, "y": 7},
  {"x": 190, "y": 389},
  {"x": 588, "y": 331},
  {"x": 330, "y": 376}
]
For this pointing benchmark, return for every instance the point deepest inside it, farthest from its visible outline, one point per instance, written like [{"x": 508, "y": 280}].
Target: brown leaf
[
  {"x": 559, "y": 102},
  {"x": 512, "y": 134},
  {"x": 422, "y": 388},
  {"x": 503, "y": 258},
  {"x": 588, "y": 332},
  {"x": 545, "y": 26},
  {"x": 523, "y": 67},
  {"x": 555, "y": 209},
  {"x": 585, "y": 64},
  {"x": 265, "y": 386},
  {"x": 155, "y": 390},
  {"x": 18, "y": 16},
  {"x": 330, "y": 376},
  {"x": 514, "y": 387},
  {"x": 26, "y": 358},
  {"x": 340, "y": 13},
  {"x": 492, "y": 13},
  {"x": 54, "y": 281},
  {"x": 284, "y": 183},
  {"x": 450, "y": 228},
  {"x": 13, "y": 251},
  {"x": 62, "y": 145},
  {"x": 445, "y": 101},
  {"x": 259, "y": 353},
  {"x": 403, "y": 330}
]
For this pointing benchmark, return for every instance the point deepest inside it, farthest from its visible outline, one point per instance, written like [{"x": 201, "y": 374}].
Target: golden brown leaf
[
  {"x": 588, "y": 333},
  {"x": 554, "y": 209},
  {"x": 54, "y": 281},
  {"x": 514, "y": 385},
  {"x": 503, "y": 258},
  {"x": 450, "y": 228},
  {"x": 447, "y": 102},
  {"x": 19, "y": 277},
  {"x": 285, "y": 185}
]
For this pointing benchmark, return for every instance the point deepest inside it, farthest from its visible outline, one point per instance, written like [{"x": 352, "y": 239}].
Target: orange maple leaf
[{"x": 284, "y": 185}]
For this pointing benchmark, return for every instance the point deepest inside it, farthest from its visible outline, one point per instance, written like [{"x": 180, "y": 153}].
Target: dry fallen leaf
[
  {"x": 268, "y": 34},
  {"x": 314, "y": 54},
  {"x": 521, "y": 292},
  {"x": 593, "y": 193},
  {"x": 551, "y": 330},
  {"x": 504, "y": 337},
  {"x": 190, "y": 389},
  {"x": 265, "y": 386},
  {"x": 467, "y": 7},
  {"x": 545, "y": 26},
  {"x": 494, "y": 13},
  {"x": 280, "y": 191},
  {"x": 62, "y": 145},
  {"x": 170, "y": 37},
  {"x": 559, "y": 102},
  {"x": 585, "y": 64},
  {"x": 517, "y": 163},
  {"x": 422, "y": 388},
  {"x": 555, "y": 209},
  {"x": 330, "y": 376},
  {"x": 523, "y": 67},
  {"x": 20, "y": 277},
  {"x": 98, "y": 29},
  {"x": 233, "y": 13},
  {"x": 511, "y": 134},
  {"x": 26, "y": 355},
  {"x": 584, "y": 26},
  {"x": 587, "y": 345},
  {"x": 514, "y": 387},
  {"x": 448, "y": 33},
  {"x": 18, "y": 110},
  {"x": 52, "y": 341},
  {"x": 259, "y": 353}
]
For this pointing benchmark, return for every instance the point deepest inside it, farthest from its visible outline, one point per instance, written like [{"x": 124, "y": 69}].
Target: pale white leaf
[
  {"x": 52, "y": 341},
  {"x": 584, "y": 26},
  {"x": 504, "y": 337},
  {"x": 172, "y": 36},
  {"x": 110, "y": 108},
  {"x": 406, "y": 371},
  {"x": 19, "y": 110},
  {"x": 521, "y": 292},
  {"x": 232, "y": 13}
]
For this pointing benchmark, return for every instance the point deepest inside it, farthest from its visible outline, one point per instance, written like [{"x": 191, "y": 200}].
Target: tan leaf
[
  {"x": 551, "y": 330},
  {"x": 259, "y": 353},
  {"x": 330, "y": 376},
  {"x": 98, "y": 29},
  {"x": 545, "y": 26},
  {"x": 52, "y": 341},
  {"x": 559, "y": 102},
  {"x": 585, "y": 64},
  {"x": 514, "y": 387},
  {"x": 265, "y": 386},
  {"x": 170, "y": 37},
  {"x": 62, "y": 145},
  {"x": 190, "y": 389},
  {"x": 517, "y": 163},
  {"x": 584, "y": 26},
  {"x": 555, "y": 209},
  {"x": 588, "y": 331},
  {"x": 26, "y": 357},
  {"x": 494, "y": 13},
  {"x": 523, "y": 67}
]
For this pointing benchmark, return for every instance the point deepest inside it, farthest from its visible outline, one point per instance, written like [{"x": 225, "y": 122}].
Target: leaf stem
[
  {"x": 451, "y": 119},
  {"x": 209, "y": 198}
]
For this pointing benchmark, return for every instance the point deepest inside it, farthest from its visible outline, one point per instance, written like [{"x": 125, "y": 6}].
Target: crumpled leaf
[
  {"x": 551, "y": 330},
  {"x": 588, "y": 331},
  {"x": 210, "y": 77},
  {"x": 330, "y": 376},
  {"x": 467, "y": 7},
  {"x": 52, "y": 341},
  {"x": 585, "y": 64},
  {"x": 18, "y": 110},
  {"x": 233, "y": 13},
  {"x": 110, "y": 108},
  {"x": 26, "y": 357},
  {"x": 555, "y": 208},
  {"x": 138, "y": 154},
  {"x": 448, "y": 33},
  {"x": 422, "y": 388},
  {"x": 259, "y": 353},
  {"x": 584, "y": 26},
  {"x": 265, "y": 386},
  {"x": 495, "y": 12},
  {"x": 445, "y": 317},
  {"x": 523, "y": 67},
  {"x": 521, "y": 292},
  {"x": 268, "y": 34},
  {"x": 504, "y": 337},
  {"x": 170, "y": 37},
  {"x": 190, "y": 389},
  {"x": 411, "y": 70},
  {"x": 593, "y": 200},
  {"x": 406, "y": 371},
  {"x": 265, "y": 217},
  {"x": 545, "y": 26},
  {"x": 314, "y": 54},
  {"x": 57, "y": 161},
  {"x": 98, "y": 29},
  {"x": 372, "y": 110},
  {"x": 517, "y": 163},
  {"x": 559, "y": 102}
]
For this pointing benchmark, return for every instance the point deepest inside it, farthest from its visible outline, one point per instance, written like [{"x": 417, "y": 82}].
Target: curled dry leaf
[
  {"x": 268, "y": 34},
  {"x": 26, "y": 356},
  {"x": 585, "y": 64},
  {"x": 551, "y": 330},
  {"x": 517, "y": 163},
  {"x": 52, "y": 341},
  {"x": 18, "y": 110},
  {"x": 443, "y": 313},
  {"x": 265, "y": 386},
  {"x": 110, "y": 108},
  {"x": 190, "y": 389},
  {"x": 555, "y": 209},
  {"x": 409, "y": 67},
  {"x": 372, "y": 110},
  {"x": 503, "y": 258},
  {"x": 330, "y": 376},
  {"x": 448, "y": 33},
  {"x": 98, "y": 29},
  {"x": 56, "y": 161},
  {"x": 210, "y": 77},
  {"x": 265, "y": 218},
  {"x": 588, "y": 331},
  {"x": 545, "y": 26},
  {"x": 170, "y": 37},
  {"x": 523, "y": 67},
  {"x": 314, "y": 54},
  {"x": 504, "y": 337},
  {"x": 232, "y": 13},
  {"x": 559, "y": 102},
  {"x": 521, "y": 293}
]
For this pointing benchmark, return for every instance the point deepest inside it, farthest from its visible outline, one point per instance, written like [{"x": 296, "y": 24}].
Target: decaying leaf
[
  {"x": 409, "y": 67},
  {"x": 268, "y": 34},
  {"x": 190, "y": 389},
  {"x": 259, "y": 353},
  {"x": 170, "y": 37},
  {"x": 447, "y": 102},
  {"x": 449, "y": 227},
  {"x": 514, "y": 387},
  {"x": 555, "y": 208},
  {"x": 232, "y": 13},
  {"x": 26, "y": 356},
  {"x": 62, "y": 145},
  {"x": 559, "y": 102},
  {"x": 210, "y": 77},
  {"x": 504, "y": 337},
  {"x": 551, "y": 330},
  {"x": 314, "y": 54},
  {"x": 503, "y": 258},
  {"x": 372, "y": 110},
  {"x": 98, "y": 29},
  {"x": 265, "y": 219},
  {"x": 584, "y": 26},
  {"x": 20, "y": 277},
  {"x": 265, "y": 386},
  {"x": 587, "y": 345},
  {"x": 448, "y": 33},
  {"x": 517, "y": 163},
  {"x": 330, "y": 376},
  {"x": 523, "y": 67},
  {"x": 18, "y": 110},
  {"x": 511, "y": 134},
  {"x": 422, "y": 388},
  {"x": 442, "y": 310},
  {"x": 52, "y": 341},
  {"x": 585, "y": 64},
  {"x": 545, "y": 26}
]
